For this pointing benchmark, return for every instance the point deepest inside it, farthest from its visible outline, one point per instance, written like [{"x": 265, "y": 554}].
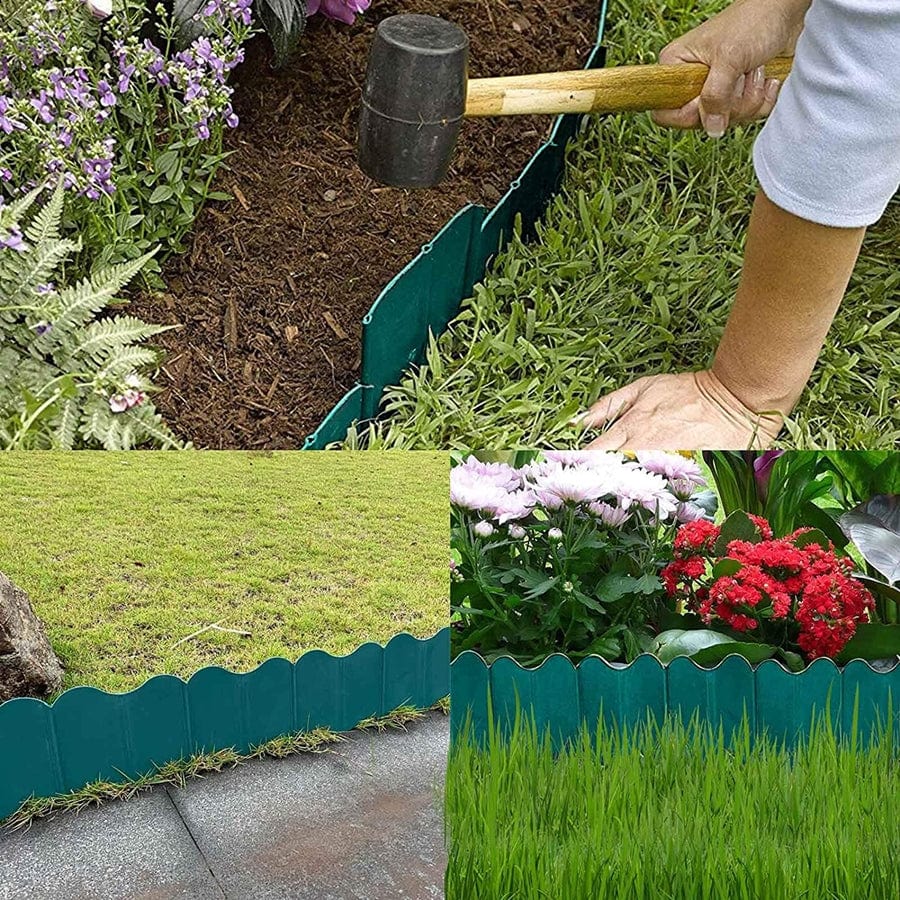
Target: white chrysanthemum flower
[
  {"x": 571, "y": 485},
  {"x": 476, "y": 492},
  {"x": 517, "y": 505},
  {"x": 673, "y": 466},
  {"x": 609, "y": 515}
]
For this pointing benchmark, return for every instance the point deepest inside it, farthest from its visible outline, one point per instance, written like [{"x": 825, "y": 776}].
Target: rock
[{"x": 28, "y": 665}]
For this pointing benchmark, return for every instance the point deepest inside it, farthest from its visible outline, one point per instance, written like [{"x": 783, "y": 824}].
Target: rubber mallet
[{"x": 417, "y": 93}]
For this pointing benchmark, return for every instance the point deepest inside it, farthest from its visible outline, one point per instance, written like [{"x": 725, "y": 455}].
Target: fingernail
[
  {"x": 759, "y": 74},
  {"x": 715, "y": 126},
  {"x": 577, "y": 419},
  {"x": 739, "y": 87},
  {"x": 772, "y": 85}
]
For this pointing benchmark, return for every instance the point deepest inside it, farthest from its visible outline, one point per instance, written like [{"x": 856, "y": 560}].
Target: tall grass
[
  {"x": 633, "y": 273},
  {"x": 673, "y": 812}
]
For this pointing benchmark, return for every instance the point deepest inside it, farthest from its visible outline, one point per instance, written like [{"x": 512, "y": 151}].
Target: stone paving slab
[
  {"x": 135, "y": 849},
  {"x": 360, "y": 821}
]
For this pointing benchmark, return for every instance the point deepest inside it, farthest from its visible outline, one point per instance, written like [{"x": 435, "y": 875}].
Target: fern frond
[
  {"x": 65, "y": 429},
  {"x": 13, "y": 213},
  {"x": 44, "y": 225},
  {"x": 99, "y": 338}
]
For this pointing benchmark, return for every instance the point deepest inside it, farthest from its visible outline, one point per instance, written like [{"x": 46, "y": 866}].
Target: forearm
[{"x": 794, "y": 277}]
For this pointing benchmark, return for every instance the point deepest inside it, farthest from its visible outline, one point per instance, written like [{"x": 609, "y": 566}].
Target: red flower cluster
[{"x": 806, "y": 591}]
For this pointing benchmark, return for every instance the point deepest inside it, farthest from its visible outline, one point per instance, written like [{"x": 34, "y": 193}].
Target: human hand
[
  {"x": 735, "y": 44},
  {"x": 687, "y": 411}
]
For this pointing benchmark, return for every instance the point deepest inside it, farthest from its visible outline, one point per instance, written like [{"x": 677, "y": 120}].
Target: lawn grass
[
  {"x": 125, "y": 554},
  {"x": 633, "y": 273},
  {"x": 673, "y": 812}
]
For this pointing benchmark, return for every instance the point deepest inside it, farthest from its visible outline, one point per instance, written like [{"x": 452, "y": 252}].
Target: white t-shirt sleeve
[{"x": 830, "y": 150}]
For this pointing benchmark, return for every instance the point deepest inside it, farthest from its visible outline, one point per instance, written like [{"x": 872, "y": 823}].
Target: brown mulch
[{"x": 273, "y": 288}]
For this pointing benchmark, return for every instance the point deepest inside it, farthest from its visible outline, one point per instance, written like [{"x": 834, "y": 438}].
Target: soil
[{"x": 271, "y": 293}]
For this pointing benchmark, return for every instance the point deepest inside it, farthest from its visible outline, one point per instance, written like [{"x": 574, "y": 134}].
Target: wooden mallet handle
[{"x": 618, "y": 89}]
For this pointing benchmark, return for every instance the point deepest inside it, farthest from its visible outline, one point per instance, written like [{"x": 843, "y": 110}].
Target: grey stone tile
[
  {"x": 139, "y": 850},
  {"x": 361, "y": 821}
]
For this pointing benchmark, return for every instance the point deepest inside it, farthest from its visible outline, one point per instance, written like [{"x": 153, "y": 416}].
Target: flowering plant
[
  {"x": 792, "y": 595},
  {"x": 132, "y": 128},
  {"x": 283, "y": 20},
  {"x": 564, "y": 553},
  {"x": 68, "y": 378}
]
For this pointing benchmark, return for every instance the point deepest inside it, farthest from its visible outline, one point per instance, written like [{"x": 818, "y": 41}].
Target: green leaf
[
  {"x": 752, "y": 652},
  {"x": 737, "y": 527},
  {"x": 614, "y": 586},
  {"x": 813, "y": 537},
  {"x": 871, "y": 641},
  {"x": 166, "y": 162},
  {"x": 673, "y": 621},
  {"x": 670, "y": 644},
  {"x": 161, "y": 193},
  {"x": 726, "y": 566},
  {"x": 794, "y": 661},
  {"x": 609, "y": 647},
  {"x": 887, "y": 598},
  {"x": 284, "y": 21}
]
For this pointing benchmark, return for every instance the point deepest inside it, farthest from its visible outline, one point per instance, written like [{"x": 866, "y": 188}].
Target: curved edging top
[
  {"x": 87, "y": 734},
  {"x": 563, "y": 696},
  {"x": 624, "y": 666}
]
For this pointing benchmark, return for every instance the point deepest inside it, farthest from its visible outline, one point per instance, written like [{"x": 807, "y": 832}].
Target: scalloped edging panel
[
  {"x": 563, "y": 697},
  {"x": 87, "y": 735}
]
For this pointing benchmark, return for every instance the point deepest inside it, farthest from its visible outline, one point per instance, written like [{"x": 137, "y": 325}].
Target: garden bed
[
  {"x": 755, "y": 589},
  {"x": 274, "y": 287}
]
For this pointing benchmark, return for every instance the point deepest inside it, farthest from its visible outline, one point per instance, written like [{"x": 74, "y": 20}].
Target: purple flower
[
  {"x": 42, "y": 328},
  {"x": 7, "y": 124},
  {"x": 13, "y": 241},
  {"x": 107, "y": 97},
  {"x": 762, "y": 470},
  {"x": 118, "y": 403},
  {"x": 125, "y": 73},
  {"x": 340, "y": 10},
  {"x": 41, "y": 104}
]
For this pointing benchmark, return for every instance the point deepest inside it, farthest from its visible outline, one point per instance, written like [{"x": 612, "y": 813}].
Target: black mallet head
[{"x": 413, "y": 101}]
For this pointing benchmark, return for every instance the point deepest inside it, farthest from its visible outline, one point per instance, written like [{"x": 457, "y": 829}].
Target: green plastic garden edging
[
  {"x": 563, "y": 697},
  {"x": 425, "y": 296},
  {"x": 88, "y": 735}
]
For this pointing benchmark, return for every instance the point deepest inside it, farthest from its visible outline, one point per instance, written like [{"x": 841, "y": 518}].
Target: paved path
[{"x": 361, "y": 821}]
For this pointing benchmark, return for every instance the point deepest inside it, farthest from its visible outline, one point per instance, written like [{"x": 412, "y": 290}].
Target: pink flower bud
[
  {"x": 484, "y": 529},
  {"x": 118, "y": 403}
]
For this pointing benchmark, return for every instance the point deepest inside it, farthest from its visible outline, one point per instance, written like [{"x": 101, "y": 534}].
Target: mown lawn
[
  {"x": 125, "y": 554},
  {"x": 634, "y": 273}
]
